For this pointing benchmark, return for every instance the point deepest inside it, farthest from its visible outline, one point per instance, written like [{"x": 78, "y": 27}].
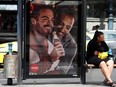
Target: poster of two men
[{"x": 52, "y": 37}]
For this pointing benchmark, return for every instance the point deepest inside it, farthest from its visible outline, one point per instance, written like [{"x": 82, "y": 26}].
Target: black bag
[{"x": 114, "y": 60}]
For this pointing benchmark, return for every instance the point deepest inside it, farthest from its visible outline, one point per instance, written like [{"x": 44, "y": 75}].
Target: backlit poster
[{"x": 51, "y": 38}]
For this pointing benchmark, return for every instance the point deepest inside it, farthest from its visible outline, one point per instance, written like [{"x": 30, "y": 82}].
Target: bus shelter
[{"x": 51, "y": 39}]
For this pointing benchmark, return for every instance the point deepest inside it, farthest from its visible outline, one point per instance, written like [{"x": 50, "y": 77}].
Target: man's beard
[{"x": 43, "y": 32}]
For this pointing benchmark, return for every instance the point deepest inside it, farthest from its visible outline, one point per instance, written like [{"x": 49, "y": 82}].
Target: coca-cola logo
[{"x": 34, "y": 68}]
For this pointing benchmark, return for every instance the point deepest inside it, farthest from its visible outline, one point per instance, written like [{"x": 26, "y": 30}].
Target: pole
[
  {"x": 19, "y": 33},
  {"x": 110, "y": 18},
  {"x": 83, "y": 42},
  {"x": 110, "y": 22},
  {"x": 10, "y": 80}
]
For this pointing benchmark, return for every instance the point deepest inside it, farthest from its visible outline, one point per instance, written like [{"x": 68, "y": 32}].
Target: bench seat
[{"x": 93, "y": 66}]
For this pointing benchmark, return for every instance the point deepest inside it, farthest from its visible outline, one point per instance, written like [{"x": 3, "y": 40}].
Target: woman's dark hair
[{"x": 97, "y": 34}]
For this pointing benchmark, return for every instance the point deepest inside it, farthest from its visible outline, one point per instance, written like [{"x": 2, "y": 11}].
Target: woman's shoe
[
  {"x": 111, "y": 84},
  {"x": 105, "y": 82}
]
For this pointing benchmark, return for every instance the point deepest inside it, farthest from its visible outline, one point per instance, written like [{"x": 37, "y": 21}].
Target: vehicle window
[
  {"x": 110, "y": 37},
  {"x": 87, "y": 38},
  {"x": 8, "y": 26}
]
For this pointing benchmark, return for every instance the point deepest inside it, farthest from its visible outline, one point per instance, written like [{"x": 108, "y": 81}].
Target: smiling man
[
  {"x": 66, "y": 18},
  {"x": 43, "y": 54},
  {"x": 43, "y": 20}
]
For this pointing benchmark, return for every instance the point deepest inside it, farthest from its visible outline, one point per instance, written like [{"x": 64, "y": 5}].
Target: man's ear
[{"x": 33, "y": 21}]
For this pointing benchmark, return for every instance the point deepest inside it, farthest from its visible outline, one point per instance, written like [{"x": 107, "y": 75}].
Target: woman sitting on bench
[{"x": 97, "y": 54}]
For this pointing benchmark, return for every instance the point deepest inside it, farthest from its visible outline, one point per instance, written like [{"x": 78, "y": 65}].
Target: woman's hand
[{"x": 96, "y": 53}]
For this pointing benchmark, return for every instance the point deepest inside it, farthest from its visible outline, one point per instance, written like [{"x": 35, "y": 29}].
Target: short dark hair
[
  {"x": 67, "y": 11},
  {"x": 64, "y": 11},
  {"x": 37, "y": 8}
]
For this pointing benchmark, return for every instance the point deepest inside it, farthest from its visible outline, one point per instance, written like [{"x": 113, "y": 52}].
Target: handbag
[{"x": 102, "y": 55}]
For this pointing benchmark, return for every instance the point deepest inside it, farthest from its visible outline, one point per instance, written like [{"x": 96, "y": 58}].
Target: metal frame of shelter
[{"x": 21, "y": 30}]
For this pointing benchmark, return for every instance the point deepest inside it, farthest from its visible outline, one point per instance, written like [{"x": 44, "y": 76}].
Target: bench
[
  {"x": 85, "y": 69},
  {"x": 93, "y": 66}
]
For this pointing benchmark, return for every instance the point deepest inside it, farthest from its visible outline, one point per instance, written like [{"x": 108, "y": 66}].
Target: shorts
[{"x": 96, "y": 61}]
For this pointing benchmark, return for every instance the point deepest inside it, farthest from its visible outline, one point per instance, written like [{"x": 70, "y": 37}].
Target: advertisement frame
[{"x": 26, "y": 57}]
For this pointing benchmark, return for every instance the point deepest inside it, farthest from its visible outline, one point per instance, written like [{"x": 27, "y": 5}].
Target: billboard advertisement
[{"x": 51, "y": 38}]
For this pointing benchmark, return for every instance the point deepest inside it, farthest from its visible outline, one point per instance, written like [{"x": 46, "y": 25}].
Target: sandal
[
  {"x": 111, "y": 84},
  {"x": 105, "y": 82}
]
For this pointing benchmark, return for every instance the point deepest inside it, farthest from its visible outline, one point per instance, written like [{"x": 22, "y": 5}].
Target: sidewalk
[
  {"x": 54, "y": 85},
  {"x": 40, "y": 83},
  {"x": 94, "y": 79}
]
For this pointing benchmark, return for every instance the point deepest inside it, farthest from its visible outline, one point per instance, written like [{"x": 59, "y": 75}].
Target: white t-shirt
[{"x": 34, "y": 57}]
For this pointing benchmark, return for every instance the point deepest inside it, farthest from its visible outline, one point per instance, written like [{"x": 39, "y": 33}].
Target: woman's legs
[
  {"x": 106, "y": 68},
  {"x": 105, "y": 71},
  {"x": 110, "y": 65}
]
